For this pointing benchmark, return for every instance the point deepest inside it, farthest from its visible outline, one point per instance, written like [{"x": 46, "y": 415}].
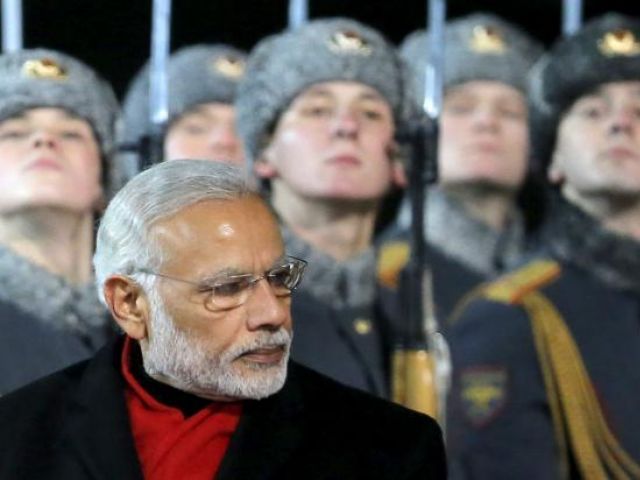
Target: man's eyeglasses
[{"x": 229, "y": 291}]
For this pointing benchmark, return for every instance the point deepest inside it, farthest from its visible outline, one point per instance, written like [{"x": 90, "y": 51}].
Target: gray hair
[{"x": 123, "y": 243}]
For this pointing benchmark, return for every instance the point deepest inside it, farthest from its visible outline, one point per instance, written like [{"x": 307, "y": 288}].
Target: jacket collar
[
  {"x": 577, "y": 238},
  {"x": 344, "y": 284},
  {"x": 48, "y": 297},
  {"x": 451, "y": 230},
  {"x": 98, "y": 427},
  {"x": 269, "y": 432}
]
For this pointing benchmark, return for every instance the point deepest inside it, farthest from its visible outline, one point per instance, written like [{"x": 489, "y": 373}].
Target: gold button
[{"x": 362, "y": 326}]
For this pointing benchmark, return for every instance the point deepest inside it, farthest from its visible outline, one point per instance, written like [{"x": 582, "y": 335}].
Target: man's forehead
[
  {"x": 334, "y": 88},
  {"x": 210, "y": 109},
  {"x": 484, "y": 88},
  {"x": 632, "y": 88},
  {"x": 53, "y": 112},
  {"x": 214, "y": 231},
  {"x": 219, "y": 217}
]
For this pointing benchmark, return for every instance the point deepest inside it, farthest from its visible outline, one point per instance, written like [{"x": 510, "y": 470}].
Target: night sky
[{"x": 113, "y": 35}]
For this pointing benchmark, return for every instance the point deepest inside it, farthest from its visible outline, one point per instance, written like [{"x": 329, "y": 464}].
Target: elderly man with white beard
[{"x": 192, "y": 267}]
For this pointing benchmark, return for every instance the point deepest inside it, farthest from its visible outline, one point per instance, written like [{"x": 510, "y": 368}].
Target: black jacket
[
  {"x": 31, "y": 348},
  {"x": 493, "y": 347},
  {"x": 328, "y": 340},
  {"x": 74, "y": 425}
]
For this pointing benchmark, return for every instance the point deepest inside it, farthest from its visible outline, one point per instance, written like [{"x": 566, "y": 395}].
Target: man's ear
[
  {"x": 398, "y": 174},
  {"x": 263, "y": 167},
  {"x": 128, "y": 304},
  {"x": 398, "y": 171},
  {"x": 100, "y": 201},
  {"x": 555, "y": 172}
]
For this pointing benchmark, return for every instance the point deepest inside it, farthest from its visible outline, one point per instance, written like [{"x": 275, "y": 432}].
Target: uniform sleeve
[{"x": 499, "y": 424}]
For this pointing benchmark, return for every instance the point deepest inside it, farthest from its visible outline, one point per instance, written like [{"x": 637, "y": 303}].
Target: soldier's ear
[
  {"x": 264, "y": 166},
  {"x": 128, "y": 305},
  {"x": 398, "y": 174},
  {"x": 398, "y": 163},
  {"x": 100, "y": 202},
  {"x": 555, "y": 172}
]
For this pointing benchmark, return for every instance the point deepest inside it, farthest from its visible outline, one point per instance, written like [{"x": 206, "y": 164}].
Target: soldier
[
  {"x": 317, "y": 113},
  {"x": 473, "y": 224},
  {"x": 202, "y": 82},
  {"x": 546, "y": 380},
  {"x": 56, "y": 140}
]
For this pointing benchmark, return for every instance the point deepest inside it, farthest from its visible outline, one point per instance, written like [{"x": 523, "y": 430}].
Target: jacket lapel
[
  {"x": 98, "y": 431},
  {"x": 269, "y": 432}
]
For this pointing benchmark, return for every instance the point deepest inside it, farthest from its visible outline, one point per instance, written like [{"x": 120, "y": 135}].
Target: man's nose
[
  {"x": 345, "y": 124},
  {"x": 224, "y": 136},
  {"x": 44, "y": 139},
  {"x": 266, "y": 310},
  {"x": 486, "y": 119},
  {"x": 622, "y": 121}
]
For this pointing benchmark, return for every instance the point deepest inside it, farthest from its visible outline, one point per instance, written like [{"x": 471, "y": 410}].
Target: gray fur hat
[
  {"x": 47, "y": 78},
  {"x": 196, "y": 74},
  {"x": 479, "y": 46},
  {"x": 605, "y": 49},
  {"x": 283, "y": 65}
]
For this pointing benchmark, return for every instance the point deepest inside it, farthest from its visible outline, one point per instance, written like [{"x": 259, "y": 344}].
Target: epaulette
[
  {"x": 513, "y": 286},
  {"x": 392, "y": 258}
]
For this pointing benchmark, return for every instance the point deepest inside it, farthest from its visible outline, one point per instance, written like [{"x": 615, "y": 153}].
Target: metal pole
[
  {"x": 298, "y": 13},
  {"x": 571, "y": 16},
  {"x": 158, "y": 82},
  {"x": 11, "y": 25},
  {"x": 437, "y": 12},
  {"x": 427, "y": 361}
]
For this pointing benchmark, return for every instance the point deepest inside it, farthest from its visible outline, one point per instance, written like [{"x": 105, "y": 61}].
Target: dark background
[{"x": 113, "y": 35}]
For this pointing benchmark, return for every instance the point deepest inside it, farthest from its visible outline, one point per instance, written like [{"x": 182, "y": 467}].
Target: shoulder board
[
  {"x": 513, "y": 286},
  {"x": 392, "y": 258}
]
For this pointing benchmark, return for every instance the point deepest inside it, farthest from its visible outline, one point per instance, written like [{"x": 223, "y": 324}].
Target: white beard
[{"x": 172, "y": 356}]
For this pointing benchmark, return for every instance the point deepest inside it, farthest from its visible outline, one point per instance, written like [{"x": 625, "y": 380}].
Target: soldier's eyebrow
[
  {"x": 601, "y": 91},
  {"x": 61, "y": 113},
  {"x": 18, "y": 116},
  {"x": 197, "y": 110},
  {"x": 372, "y": 96},
  {"x": 318, "y": 92}
]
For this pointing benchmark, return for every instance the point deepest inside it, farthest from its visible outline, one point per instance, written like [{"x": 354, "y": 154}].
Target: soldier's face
[
  {"x": 484, "y": 135},
  {"x": 206, "y": 132},
  {"x": 598, "y": 142},
  {"x": 48, "y": 158},
  {"x": 334, "y": 141}
]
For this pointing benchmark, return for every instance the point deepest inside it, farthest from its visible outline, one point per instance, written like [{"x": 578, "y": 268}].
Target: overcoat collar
[
  {"x": 575, "y": 237},
  {"x": 98, "y": 428}
]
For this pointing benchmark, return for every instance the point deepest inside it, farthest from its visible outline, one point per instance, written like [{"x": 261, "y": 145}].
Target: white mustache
[{"x": 279, "y": 339}]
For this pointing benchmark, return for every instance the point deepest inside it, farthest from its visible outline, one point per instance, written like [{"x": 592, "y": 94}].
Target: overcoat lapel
[
  {"x": 268, "y": 435},
  {"x": 98, "y": 432}
]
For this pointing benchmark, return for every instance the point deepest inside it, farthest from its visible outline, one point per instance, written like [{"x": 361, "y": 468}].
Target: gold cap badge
[
  {"x": 44, "y": 68},
  {"x": 619, "y": 42},
  {"x": 486, "y": 39},
  {"x": 228, "y": 66},
  {"x": 349, "y": 42}
]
